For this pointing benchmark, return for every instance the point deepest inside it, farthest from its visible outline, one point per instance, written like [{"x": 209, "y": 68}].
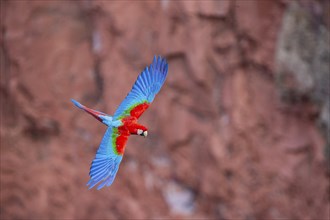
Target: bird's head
[{"x": 142, "y": 132}]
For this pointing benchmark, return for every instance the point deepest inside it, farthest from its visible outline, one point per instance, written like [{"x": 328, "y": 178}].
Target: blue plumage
[
  {"x": 146, "y": 86},
  {"x": 77, "y": 104},
  {"x": 105, "y": 165}
]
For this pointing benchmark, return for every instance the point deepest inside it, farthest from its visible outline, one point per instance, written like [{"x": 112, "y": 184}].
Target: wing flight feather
[
  {"x": 106, "y": 162},
  {"x": 145, "y": 88}
]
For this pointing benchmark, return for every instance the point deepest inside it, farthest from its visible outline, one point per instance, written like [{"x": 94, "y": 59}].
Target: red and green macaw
[{"x": 124, "y": 123}]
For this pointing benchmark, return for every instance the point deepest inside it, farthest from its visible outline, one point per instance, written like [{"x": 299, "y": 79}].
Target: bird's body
[{"x": 124, "y": 123}]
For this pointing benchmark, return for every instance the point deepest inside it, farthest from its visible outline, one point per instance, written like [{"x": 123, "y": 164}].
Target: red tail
[{"x": 94, "y": 113}]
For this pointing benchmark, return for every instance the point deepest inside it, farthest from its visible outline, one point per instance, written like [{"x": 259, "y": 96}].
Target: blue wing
[
  {"x": 145, "y": 87},
  {"x": 106, "y": 162}
]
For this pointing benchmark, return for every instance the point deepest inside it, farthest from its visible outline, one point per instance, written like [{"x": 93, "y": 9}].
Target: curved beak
[{"x": 145, "y": 133}]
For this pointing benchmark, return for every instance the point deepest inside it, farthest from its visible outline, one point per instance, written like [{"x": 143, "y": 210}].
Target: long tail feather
[{"x": 94, "y": 113}]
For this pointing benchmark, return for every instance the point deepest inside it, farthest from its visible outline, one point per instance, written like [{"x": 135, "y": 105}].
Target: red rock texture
[{"x": 221, "y": 144}]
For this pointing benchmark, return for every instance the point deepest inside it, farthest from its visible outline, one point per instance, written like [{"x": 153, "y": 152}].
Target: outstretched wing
[
  {"x": 108, "y": 157},
  {"x": 144, "y": 90}
]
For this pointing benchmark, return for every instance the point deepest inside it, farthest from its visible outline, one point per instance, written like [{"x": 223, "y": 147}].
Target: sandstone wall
[{"x": 224, "y": 142}]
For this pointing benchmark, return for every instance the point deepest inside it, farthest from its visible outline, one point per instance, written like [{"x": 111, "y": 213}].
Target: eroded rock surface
[{"x": 222, "y": 142}]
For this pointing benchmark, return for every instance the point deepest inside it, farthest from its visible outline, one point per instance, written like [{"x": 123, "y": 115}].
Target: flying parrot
[{"x": 123, "y": 123}]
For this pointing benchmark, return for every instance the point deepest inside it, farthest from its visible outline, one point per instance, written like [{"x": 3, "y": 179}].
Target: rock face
[
  {"x": 303, "y": 63},
  {"x": 222, "y": 142}
]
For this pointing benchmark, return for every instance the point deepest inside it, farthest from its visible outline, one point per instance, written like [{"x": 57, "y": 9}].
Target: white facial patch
[
  {"x": 145, "y": 133},
  {"x": 139, "y": 131}
]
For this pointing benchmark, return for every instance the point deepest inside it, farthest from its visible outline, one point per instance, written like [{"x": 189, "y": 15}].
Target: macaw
[{"x": 124, "y": 123}]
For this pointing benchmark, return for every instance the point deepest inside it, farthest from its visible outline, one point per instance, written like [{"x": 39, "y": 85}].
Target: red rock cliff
[{"x": 224, "y": 141}]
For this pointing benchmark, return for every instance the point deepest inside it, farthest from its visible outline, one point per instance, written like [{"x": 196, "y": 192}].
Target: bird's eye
[
  {"x": 145, "y": 133},
  {"x": 139, "y": 131}
]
